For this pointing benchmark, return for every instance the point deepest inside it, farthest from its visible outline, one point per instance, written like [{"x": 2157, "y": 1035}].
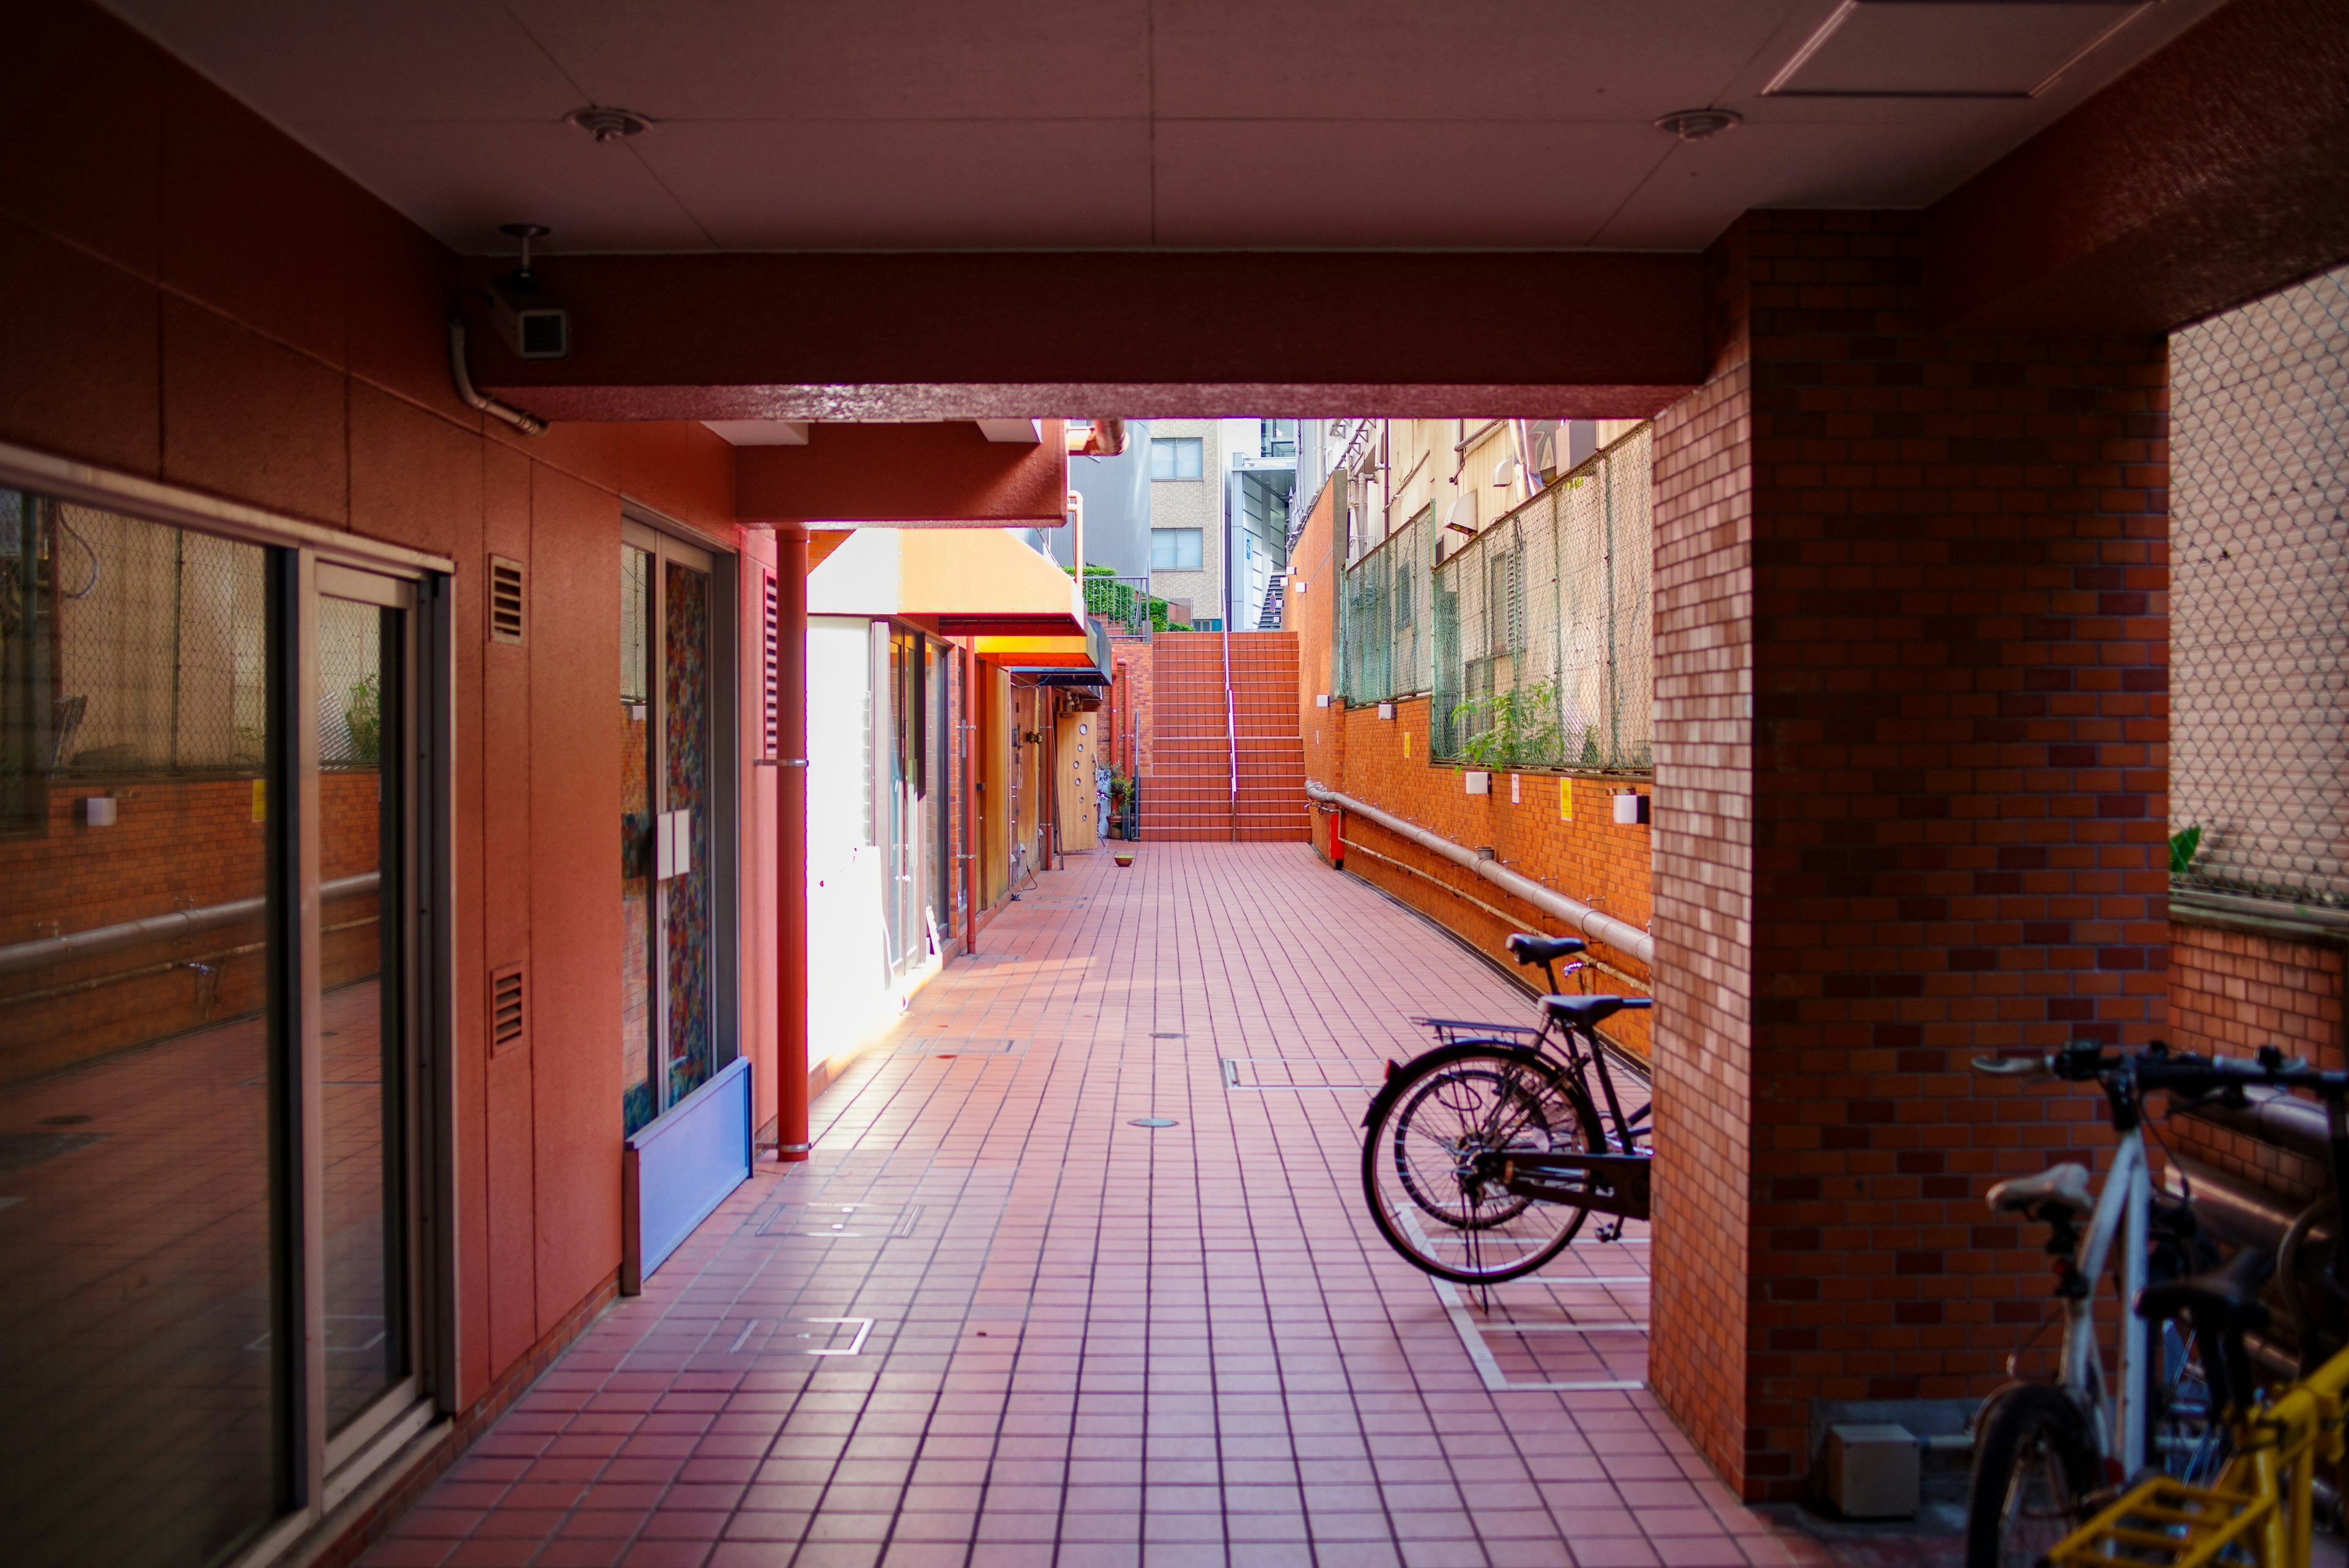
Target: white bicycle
[{"x": 2043, "y": 1449}]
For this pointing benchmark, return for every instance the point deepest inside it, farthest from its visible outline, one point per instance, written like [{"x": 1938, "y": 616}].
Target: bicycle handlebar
[{"x": 2158, "y": 1067}]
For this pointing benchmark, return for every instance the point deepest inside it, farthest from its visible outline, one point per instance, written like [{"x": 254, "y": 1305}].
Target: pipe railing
[
  {"x": 66, "y": 947},
  {"x": 1622, "y": 935}
]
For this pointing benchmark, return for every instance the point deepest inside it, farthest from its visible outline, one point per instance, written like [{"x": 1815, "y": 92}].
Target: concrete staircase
[{"x": 1187, "y": 793}]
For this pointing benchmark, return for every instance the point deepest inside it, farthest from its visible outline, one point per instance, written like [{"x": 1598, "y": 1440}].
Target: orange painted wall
[
  {"x": 193, "y": 297},
  {"x": 1385, "y": 763}
]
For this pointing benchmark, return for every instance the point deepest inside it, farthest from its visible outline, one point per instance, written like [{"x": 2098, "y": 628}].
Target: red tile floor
[{"x": 992, "y": 1323}]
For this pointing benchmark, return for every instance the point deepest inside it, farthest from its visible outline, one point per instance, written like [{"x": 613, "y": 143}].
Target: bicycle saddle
[
  {"x": 2224, "y": 1300},
  {"x": 2065, "y": 1186},
  {"x": 1527, "y": 947},
  {"x": 1582, "y": 1011}
]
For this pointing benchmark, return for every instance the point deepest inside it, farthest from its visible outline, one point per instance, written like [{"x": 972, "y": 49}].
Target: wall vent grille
[
  {"x": 508, "y": 1008},
  {"x": 505, "y": 600},
  {"x": 769, "y": 650}
]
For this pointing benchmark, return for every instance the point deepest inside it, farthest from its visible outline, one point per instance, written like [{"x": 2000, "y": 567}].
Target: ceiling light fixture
[
  {"x": 608, "y": 124},
  {"x": 1696, "y": 124}
]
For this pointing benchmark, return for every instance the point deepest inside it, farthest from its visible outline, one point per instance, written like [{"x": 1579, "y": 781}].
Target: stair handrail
[{"x": 1231, "y": 730}]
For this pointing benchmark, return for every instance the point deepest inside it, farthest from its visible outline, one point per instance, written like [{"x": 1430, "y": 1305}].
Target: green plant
[
  {"x": 1513, "y": 727},
  {"x": 2184, "y": 845},
  {"x": 364, "y": 713},
  {"x": 1120, "y": 785}
]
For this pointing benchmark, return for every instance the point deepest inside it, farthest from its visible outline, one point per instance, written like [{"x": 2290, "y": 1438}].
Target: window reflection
[{"x": 135, "y": 1189}]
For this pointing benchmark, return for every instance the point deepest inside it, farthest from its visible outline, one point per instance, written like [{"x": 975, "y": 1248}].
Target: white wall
[{"x": 849, "y": 994}]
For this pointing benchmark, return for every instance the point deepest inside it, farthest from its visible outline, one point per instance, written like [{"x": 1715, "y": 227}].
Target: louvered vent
[
  {"x": 768, "y": 645},
  {"x": 505, "y": 600},
  {"x": 507, "y": 1011}
]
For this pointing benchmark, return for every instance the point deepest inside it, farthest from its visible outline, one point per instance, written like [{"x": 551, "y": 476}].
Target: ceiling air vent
[
  {"x": 505, "y": 600},
  {"x": 507, "y": 1022},
  {"x": 772, "y": 726}
]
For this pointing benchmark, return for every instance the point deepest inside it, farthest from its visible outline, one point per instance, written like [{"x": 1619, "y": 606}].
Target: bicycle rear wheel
[
  {"x": 1419, "y": 1173},
  {"x": 2033, "y": 1470}
]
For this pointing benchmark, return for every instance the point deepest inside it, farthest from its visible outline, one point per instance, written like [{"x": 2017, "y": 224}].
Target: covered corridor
[{"x": 993, "y": 1321}]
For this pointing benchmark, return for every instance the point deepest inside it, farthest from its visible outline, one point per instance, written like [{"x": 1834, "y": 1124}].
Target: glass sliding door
[
  {"x": 209, "y": 1016},
  {"x": 363, "y": 1061},
  {"x": 669, "y": 802},
  {"x": 146, "y": 1416}
]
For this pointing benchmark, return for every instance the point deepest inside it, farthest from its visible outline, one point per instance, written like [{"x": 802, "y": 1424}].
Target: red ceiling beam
[
  {"x": 2216, "y": 171},
  {"x": 1583, "y": 335},
  {"x": 938, "y": 476}
]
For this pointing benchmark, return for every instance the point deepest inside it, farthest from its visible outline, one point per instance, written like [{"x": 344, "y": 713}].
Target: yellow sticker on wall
[
  {"x": 1566, "y": 800},
  {"x": 1406, "y": 742},
  {"x": 261, "y": 800}
]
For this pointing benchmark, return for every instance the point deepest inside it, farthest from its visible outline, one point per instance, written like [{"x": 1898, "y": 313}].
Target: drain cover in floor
[{"x": 1152, "y": 1122}]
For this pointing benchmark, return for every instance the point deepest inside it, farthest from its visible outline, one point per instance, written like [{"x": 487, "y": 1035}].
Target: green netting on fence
[{"x": 1385, "y": 617}]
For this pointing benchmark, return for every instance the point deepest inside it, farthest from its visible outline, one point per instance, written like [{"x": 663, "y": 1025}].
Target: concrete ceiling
[{"x": 943, "y": 124}]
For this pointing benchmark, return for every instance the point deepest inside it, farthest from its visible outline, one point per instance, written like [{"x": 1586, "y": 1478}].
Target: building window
[
  {"x": 1277, "y": 437},
  {"x": 1175, "y": 549},
  {"x": 1174, "y": 457}
]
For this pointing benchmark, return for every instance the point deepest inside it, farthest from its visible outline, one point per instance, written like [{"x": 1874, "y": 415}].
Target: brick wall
[
  {"x": 1938, "y": 829},
  {"x": 2236, "y": 983},
  {"x": 1703, "y": 500}
]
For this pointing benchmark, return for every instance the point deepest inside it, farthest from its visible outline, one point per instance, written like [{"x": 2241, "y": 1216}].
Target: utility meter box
[
  {"x": 1873, "y": 1471},
  {"x": 1630, "y": 807}
]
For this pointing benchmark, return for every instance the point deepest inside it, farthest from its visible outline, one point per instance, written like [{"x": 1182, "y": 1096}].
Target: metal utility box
[{"x": 1873, "y": 1471}]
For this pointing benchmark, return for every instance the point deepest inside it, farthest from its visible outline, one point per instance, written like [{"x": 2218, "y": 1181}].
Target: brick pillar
[{"x": 1912, "y": 649}]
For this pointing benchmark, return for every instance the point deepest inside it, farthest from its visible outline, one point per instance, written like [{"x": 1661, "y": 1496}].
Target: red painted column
[
  {"x": 791, "y": 843},
  {"x": 970, "y": 822}
]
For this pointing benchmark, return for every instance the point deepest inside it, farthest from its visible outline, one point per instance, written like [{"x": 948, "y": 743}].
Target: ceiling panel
[
  {"x": 1324, "y": 183},
  {"x": 462, "y": 182},
  {"x": 927, "y": 183},
  {"x": 945, "y": 124},
  {"x": 1855, "y": 163},
  {"x": 336, "y": 61},
  {"x": 1948, "y": 48},
  {"x": 1483, "y": 60},
  {"x": 873, "y": 59}
]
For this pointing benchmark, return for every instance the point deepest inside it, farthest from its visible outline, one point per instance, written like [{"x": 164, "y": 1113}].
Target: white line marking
[{"x": 863, "y": 1327}]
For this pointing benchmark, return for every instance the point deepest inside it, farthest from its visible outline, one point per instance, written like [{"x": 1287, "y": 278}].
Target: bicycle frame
[
  {"x": 2117, "y": 1416},
  {"x": 2265, "y": 1497}
]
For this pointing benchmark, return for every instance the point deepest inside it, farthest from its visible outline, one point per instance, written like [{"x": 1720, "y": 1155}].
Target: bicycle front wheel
[{"x": 1429, "y": 1192}]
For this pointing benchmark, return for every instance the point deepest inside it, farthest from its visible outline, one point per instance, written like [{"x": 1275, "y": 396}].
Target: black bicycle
[{"x": 1484, "y": 1156}]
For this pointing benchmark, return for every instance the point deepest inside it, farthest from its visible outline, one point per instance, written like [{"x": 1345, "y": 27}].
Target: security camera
[{"x": 527, "y": 317}]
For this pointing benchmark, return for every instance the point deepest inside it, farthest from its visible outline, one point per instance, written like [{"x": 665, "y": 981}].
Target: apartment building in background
[{"x": 1221, "y": 492}]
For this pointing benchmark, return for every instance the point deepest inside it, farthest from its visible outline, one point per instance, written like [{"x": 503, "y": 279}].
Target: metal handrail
[{"x": 1620, "y": 935}]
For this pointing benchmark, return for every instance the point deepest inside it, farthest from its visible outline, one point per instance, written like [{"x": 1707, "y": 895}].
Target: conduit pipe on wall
[
  {"x": 1620, "y": 935},
  {"x": 529, "y": 424},
  {"x": 57, "y": 950}
]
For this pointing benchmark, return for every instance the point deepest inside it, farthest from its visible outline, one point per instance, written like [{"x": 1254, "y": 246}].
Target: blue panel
[{"x": 687, "y": 1161}]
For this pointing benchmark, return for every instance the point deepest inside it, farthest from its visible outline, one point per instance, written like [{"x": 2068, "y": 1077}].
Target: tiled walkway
[{"x": 994, "y": 1322}]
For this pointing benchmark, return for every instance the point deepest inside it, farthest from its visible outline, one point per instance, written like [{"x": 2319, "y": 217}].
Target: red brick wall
[
  {"x": 1940, "y": 831},
  {"x": 1697, "y": 1359},
  {"x": 2236, "y": 985}
]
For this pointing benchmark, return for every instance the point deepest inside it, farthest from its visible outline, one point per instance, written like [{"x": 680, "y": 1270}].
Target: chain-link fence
[
  {"x": 1386, "y": 616},
  {"x": 1543, "y": 637},
  {"x": 2259, "y": 652},
  {"x": 151, "y": 641},
  {"x": 350, "y": 685}
]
